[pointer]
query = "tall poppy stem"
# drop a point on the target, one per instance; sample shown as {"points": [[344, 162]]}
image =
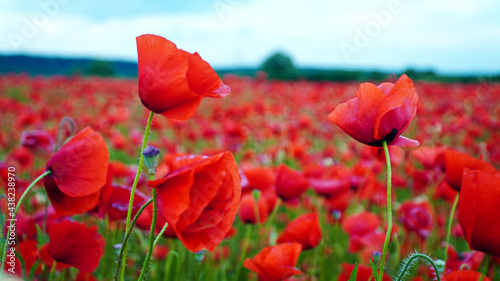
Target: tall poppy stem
{"points": [[132, 193], [151, 238], [448, 228], [13, 219], [389, 211], [127, 235]]}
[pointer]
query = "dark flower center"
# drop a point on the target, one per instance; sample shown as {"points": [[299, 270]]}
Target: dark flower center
{"points": [[388, 138]]}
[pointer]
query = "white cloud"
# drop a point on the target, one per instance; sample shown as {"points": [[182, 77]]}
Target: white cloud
{"points": [[425, 33]]}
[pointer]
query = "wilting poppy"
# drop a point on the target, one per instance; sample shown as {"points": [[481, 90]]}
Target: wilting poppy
{"points": [[456, 162], [379, 113], [200, 200], [173, 82], [74, 244], [464, 275], [275, 263], [364, 273], [478, 207], [78, 172], [305, 230], [290, 183]]}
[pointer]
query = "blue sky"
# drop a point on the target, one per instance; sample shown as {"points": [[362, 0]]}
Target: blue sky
{"points": [[450, 36]]}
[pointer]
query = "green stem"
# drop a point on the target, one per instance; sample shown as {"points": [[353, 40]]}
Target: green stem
{"points": [[127, 236], [448, 228], [13, 219], [132, 193], [52, 270], [168, 261], [486, 267], [389, 210], [409, 263], [151, 238], [248, 233]]}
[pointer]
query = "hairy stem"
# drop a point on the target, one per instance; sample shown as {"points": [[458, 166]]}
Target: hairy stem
{"points": [[409, 263], [132, 193], [127, 236], [389, 210]]}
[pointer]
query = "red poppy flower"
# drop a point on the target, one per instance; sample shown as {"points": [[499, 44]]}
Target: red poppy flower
{"points": [[74, 244], [417, 217], [275, 263], [464, 275], [456, 260], [290, 183], [379, 113], [200, 200], [361, 223], [78, 172], [85, 276], [364, 273], [456, 162], [305, 230], [38, 139], [173, 82], [363, 233], [479, 207], [248, 208], [116, 202]]}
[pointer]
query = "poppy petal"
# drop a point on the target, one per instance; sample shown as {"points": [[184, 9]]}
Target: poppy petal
{"points": [[356, 117], [397, 109], [404, 141], [203, 80], [65, 205], [80, 166]]}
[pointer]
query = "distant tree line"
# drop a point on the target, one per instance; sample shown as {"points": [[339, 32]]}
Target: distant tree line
{"points": [[278, 66]]}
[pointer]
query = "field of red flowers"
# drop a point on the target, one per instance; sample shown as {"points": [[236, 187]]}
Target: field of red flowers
{"points": [[282, 191]]}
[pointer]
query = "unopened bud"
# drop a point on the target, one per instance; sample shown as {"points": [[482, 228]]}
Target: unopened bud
{"points": [[376, 256], [199, 256], [256, 194], [151, 158], [440, 265]]}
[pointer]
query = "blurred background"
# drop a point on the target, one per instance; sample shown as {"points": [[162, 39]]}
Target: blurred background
{"points": [[442, 40]]}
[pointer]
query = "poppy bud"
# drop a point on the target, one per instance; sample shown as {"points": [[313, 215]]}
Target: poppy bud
{"points": [[199, 256], [256, 194], [151, 158], [440, 265], [376, 256]]}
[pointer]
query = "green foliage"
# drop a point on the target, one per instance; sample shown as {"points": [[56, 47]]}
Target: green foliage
{"points": [[101, 68], [280, 66]]}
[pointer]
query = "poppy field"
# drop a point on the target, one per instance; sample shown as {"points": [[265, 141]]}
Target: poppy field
{"points": [[184, 175]]}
